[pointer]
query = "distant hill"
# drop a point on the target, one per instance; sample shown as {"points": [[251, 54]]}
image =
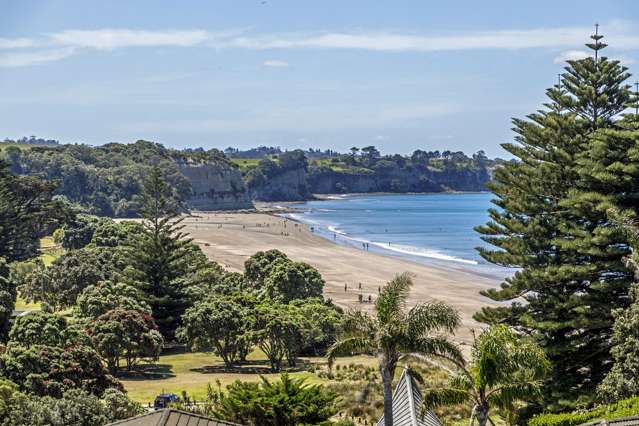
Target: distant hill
{"points": [[108, 179]]}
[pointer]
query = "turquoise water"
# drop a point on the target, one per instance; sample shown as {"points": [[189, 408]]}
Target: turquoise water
{"points": [[430, 228]]}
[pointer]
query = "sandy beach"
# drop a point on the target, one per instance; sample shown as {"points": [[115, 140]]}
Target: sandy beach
{"points": [[230, 238]]}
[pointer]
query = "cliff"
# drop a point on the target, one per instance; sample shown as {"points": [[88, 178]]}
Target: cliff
{"points": [[215, 186], [327, 181]]}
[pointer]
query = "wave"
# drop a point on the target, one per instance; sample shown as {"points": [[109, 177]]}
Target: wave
{"points": [[423, 252], [397, 248]]}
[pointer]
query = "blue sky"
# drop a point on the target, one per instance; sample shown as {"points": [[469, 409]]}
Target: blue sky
{"points": [[401, 75]]}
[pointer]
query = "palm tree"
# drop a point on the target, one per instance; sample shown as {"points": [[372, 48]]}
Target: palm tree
{"points": [[504, 369], [394, 333]]}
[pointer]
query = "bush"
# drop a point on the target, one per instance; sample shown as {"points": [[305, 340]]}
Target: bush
{"points": [[623, 408]]}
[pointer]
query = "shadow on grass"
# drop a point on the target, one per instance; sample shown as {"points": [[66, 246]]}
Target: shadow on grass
{"points": [[251, 367], [149, 372]]}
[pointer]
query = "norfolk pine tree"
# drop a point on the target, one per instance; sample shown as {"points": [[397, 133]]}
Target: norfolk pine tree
{"points": [[161, 254], [551, 226]]}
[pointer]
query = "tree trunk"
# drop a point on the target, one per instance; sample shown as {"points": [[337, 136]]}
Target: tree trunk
{"points": [[387, 379], [481, 413]]}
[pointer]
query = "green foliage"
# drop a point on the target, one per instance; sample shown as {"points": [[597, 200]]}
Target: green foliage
{"points": [[27, 212], [215, 324], [48, 370], [323, 321], [39, 328], [275, 277], [78, 232], [624, 408], [96, 300], [8, 295], [504, 370], [286, 402], [108, 179], [127, 334], [623, 379], [162, 254], [113, 234], [289, 280], [551, 222], [76, 408], [60, 284], [279, 331]]}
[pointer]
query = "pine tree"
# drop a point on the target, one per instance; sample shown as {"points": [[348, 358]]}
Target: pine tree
{"points": [[161, 255], [551, 226]]}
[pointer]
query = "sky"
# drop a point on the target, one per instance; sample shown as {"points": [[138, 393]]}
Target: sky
{"points": [[329, 74]]}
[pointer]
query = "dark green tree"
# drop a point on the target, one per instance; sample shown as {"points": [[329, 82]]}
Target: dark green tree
{"points": [[125, 334], [161, 255], [8, 294], [39, 328], [547, 223], [286, 402], [215, 324], [98, 299]]}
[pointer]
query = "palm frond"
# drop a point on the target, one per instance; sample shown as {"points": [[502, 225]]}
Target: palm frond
{"points": [[392, 298], [432, 316], [358, 323], [442, 397], [504, 396], [348, 346], [435, 346]]}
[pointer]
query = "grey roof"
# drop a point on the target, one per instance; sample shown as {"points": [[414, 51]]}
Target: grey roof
{"points": [[407, 403], [171, 417]]}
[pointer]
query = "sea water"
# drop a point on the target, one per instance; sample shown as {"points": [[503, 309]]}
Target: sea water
{"points": [[429, 228]]}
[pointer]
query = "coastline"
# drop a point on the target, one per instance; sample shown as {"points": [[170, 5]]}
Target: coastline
{"points": [[232, 237]]}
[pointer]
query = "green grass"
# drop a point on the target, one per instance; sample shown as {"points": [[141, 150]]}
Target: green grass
{"points": [[192, 372], [246, 163]]}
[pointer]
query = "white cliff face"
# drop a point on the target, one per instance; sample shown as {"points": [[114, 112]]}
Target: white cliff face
{"points": [[215, 186]]}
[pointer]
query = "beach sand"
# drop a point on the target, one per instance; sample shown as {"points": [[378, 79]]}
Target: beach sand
{"points": [[230, 238]]}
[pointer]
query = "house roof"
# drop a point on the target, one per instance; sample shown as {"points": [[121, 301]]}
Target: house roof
{"points": [[171, 417], [407, 402]]}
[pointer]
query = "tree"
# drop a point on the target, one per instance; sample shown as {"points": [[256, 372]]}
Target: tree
{"points": [[324, 321], [160, 254], [278, 330], [504, 369], [394, 333], [8, 294], [39, 328], [27, 211], [623, 379], [288, 280], [104, 296], [78, 232], [113, 234], [286, 402], [127, 334], [50, 370], [550, 225], [258, 266], [214, 324], [75, 407]]}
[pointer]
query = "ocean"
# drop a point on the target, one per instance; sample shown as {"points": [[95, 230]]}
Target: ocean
{"points": [[428, 228]]}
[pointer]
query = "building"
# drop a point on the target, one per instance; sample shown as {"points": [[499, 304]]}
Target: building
{"points": [[407, 405], [171, 417]]}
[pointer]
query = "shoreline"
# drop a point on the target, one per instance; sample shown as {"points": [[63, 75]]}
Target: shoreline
{"points": [[231, 238]]}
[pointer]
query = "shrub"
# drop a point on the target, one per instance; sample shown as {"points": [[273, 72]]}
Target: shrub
{"points": [[623, 408]]}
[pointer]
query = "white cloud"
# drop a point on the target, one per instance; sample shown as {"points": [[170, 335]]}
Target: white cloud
{"points": [[386, 41], [621, 35], [118, 38], [274, 63], [21, 59], [15, 43], [570, 55]]}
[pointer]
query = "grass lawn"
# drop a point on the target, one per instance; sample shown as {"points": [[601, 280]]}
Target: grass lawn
{"points": [[192, 372]]}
